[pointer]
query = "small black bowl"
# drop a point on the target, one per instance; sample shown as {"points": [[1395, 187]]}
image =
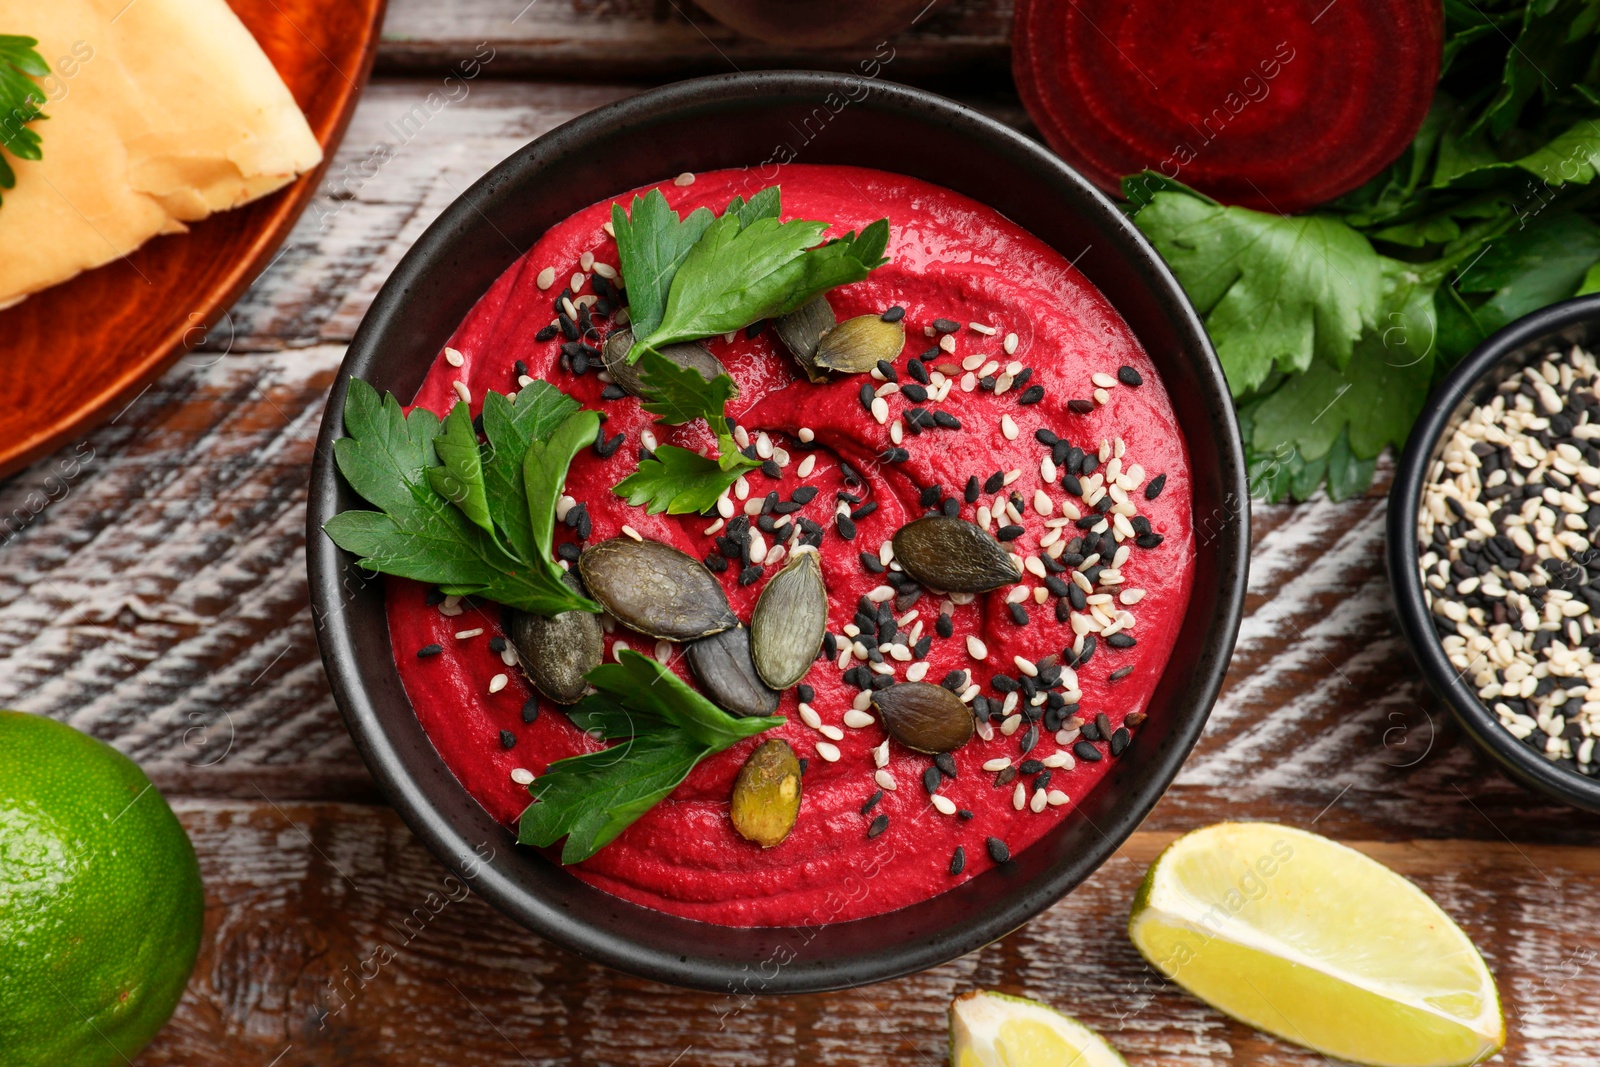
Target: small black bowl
{"points": [[1473, 382], [755, 120]]}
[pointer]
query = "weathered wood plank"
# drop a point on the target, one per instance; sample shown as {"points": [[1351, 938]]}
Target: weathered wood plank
{"points": [[302, 897], [664, 40]]}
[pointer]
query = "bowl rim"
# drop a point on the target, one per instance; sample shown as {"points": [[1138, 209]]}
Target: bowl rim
{"points": [[412, 799], [1405, 499]]}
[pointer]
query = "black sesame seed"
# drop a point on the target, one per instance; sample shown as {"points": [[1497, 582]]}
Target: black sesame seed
{"points": [[930, 495], [971, 491], [894, 455], [986, 383], [1030, 738], [606, 449], [612, 391], [497, 644], [846, 527], [1070, 483], [508, 739], [946, 764], [946, 325], [1046, 437], [530, 710], [886, 369], [914, 392], [958, 860], [943, 626], [716, 563], [750, 574], [429, 650], [1119, 740], [947, 420], [997, 850], [804, 495], [1153, 490], [1019, 614], [1091, 732], [1086, 752], [1121, 640], [993, 483], [1129, 376], [1120, 673], [917, 371], [771, 469], [872, 563], [931, 779], [804, 763], [879, 825], [1031, 395], [951, 507], [547, 334], [865, 393], [1149, 540], [872, 802], [864, 510], [1080, 407], [1008, 533]]}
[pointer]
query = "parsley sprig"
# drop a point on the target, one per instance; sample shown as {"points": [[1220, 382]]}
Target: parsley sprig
{"points": [[474, 519], [665, 727], [703, 275], [1334, 325], [21, 102]]}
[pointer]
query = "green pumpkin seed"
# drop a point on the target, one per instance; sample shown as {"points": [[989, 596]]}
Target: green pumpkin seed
{"points": [[692, 354], [856, 345], [655, 589], [721, 664], [802, 329], [789, 620], [766, 795], [555, 653], [953, 555], [924, 717]]}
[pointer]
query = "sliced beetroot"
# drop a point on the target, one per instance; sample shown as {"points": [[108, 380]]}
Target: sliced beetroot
{"points": [[1278, 106]]}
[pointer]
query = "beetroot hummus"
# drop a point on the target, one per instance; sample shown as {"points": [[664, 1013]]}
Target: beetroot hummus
{"points": [[1051, 405]]}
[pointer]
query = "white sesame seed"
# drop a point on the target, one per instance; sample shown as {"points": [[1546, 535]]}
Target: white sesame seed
{"points": [[1102, 397], [880, 755], [897, 431], [1131, 596], [857, 720], [1058, 759], [807, 465], [663, 651], [452, 357], [880, 410], [832, 733], [618, 648], [1011, 343], [978, 327], [522, 776], [1056, 798], [1008, 427], [880, 593], [884, 779], [647, 438], [462, 391], [828, 751], [467, 635], [943, 804], [1103, 380], [725, 506], [498, 682], [605, 270], [947, 343], [1019, 797], [1037, 802], [508, 656], [631, 532], [976, 648], [917, 671], [1010, 724], [998, 764], [1025, 666], [686, 178], [969, 382], [1042, 502], [546, 278], [1017, 595], [809, 716]]}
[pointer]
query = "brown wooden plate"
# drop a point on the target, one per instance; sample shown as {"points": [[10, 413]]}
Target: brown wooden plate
{"points": [[77, 354]]}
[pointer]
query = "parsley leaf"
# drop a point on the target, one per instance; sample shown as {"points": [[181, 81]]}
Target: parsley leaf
{"points": [[678, 481], [1276, 292], [668, 727], [651, 244], [394, 461], [744, 266], [21, 101]]}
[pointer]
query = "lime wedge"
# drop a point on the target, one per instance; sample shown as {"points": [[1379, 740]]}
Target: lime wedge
{"points": [[1317, 944], [996, 1030]]}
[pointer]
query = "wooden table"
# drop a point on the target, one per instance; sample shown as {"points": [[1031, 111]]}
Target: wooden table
{"points": [[153, 592]]}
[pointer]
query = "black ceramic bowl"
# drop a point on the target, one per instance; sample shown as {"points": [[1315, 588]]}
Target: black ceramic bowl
{"points": [[1474, 381], [737, 121]]}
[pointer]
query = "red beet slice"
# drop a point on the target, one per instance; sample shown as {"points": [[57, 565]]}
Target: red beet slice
{"points": [[1277, 106]]}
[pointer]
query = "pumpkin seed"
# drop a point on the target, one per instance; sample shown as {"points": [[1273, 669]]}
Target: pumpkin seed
{"points": [[856, 345], [556, 652], [953, 555], [722, 665], [692, 354], [924, 717], [801, 329], [655, 589], [766, 794], [788, 622]]}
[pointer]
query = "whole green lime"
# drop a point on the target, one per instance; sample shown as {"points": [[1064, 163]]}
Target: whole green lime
{"points": [[100, 900]]}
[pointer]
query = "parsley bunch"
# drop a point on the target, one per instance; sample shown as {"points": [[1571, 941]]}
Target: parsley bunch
{"points": [[666, 728], [474, 519], [21, 101], [1333, 326]]}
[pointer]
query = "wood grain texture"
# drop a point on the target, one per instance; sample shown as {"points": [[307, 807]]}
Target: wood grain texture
{"points": [[956, 42], [333, 938], [76, 354], [152, 592]]}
